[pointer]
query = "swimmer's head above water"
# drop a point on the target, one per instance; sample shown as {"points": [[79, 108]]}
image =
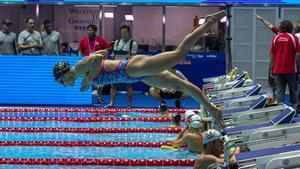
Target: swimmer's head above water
{"points": [[175, 118], [163, 107], [213, 141], [195, 121], [188, 114], [62, 73]]}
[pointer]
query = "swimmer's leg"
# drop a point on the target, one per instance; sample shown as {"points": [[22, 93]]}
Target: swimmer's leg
{"points": [[169, 80], [145, 66]]}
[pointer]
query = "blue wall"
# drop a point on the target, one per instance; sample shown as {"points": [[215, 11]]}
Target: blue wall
{"points": [[29, 79], [202, 65]]}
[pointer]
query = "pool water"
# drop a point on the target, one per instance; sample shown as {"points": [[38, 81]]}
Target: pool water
{"points": [[91, 151], [118, 137], [77, 114], [63, 124]]}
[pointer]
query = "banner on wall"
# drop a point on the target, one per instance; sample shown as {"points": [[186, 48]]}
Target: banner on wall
{"points": [[71, 22], [201, 65]]}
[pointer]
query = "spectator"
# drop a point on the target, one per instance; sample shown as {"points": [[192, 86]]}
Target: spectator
{"points": [[269, 25], [89, 45], [124, 49], [8, 39], [283, 61], [65, 48], [51, 39], [92, 42], [275, 30], [30, 41]]}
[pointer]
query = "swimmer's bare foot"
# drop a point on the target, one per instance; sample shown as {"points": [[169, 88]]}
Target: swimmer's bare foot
{"points": [[215, 16]]}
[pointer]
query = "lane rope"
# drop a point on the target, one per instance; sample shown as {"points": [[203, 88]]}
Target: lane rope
{"points": [[84, 143], [89, 110], [88, 119], [106, 162], [93, 130]]}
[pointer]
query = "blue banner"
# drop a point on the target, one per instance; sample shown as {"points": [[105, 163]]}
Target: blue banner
{"points": [[29, 79], [202, 65]]}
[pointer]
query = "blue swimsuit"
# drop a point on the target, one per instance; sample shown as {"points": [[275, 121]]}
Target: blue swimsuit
{"points": [[119, 75]]}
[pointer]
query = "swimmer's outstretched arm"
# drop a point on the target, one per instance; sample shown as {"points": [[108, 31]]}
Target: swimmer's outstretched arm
{"points": [[87, 68], [182, 141], [181, 134], [265, 22], [103, 52]]}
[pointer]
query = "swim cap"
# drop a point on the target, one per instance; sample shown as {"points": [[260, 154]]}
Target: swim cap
{"points": [[189, 113], [163, 106], [211, 135], [60, 69], [176, 117], [195, 121]]}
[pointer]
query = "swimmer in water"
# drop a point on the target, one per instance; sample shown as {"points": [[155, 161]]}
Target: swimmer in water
{"points": [[213, 152], [150, 70], [163, 109], [175, 120], [188, 114], [193, 139]]}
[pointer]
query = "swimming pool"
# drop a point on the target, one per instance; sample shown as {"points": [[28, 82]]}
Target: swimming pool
{"points": [[93, 152], [124, 137], [62, 124], [55, 137], [77, 114]]}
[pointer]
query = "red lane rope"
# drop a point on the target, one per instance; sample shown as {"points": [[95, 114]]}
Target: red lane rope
{"points": [[107, 162], [88, 119], [93, 130], [83, 143], [90, 110]]}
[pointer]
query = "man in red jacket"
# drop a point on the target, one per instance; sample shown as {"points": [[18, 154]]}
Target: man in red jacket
{"points": [[283, 61]]}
